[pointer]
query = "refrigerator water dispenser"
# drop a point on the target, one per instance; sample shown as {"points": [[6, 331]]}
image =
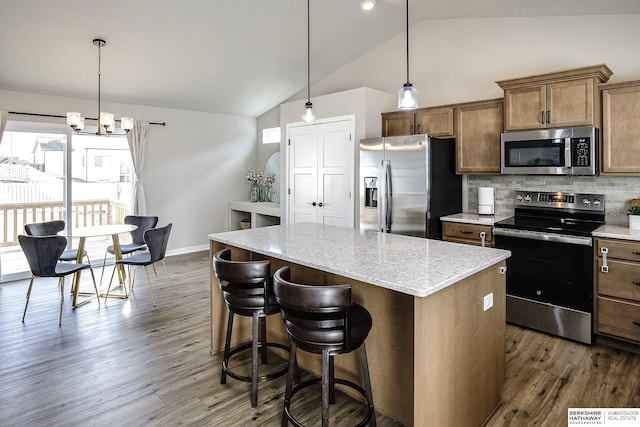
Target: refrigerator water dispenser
{"points": [[370, 192]]}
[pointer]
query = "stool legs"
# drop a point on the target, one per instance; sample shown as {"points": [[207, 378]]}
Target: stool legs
{"points": [[254, 358], [367, 383], [227, 348], [327, 381]]}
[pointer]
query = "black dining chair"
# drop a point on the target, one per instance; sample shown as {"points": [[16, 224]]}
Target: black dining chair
{"points": [[42, 253], [143, 223], [51, 228], [156, 240], [322, 319]]}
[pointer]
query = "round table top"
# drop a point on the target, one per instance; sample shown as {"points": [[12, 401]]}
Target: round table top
{"points": [[98, 230]]}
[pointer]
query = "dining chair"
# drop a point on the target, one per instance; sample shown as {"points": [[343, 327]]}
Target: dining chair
{"points": [[156, 240], [51, 228], [137, 237], [43, 253]]}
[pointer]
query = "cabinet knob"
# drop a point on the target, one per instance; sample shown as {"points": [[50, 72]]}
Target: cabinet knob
{"points": [[313, 204], [320, 204], [542, 117], [548, 116]]}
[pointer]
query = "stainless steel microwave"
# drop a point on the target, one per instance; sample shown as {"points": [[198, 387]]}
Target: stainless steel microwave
{"points": [[568, 151]]}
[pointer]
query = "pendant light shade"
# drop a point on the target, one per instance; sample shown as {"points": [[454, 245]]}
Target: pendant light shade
{"points": [[308, 115], [408, 95]]}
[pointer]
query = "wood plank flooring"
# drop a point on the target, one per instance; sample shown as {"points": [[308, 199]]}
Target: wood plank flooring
{"points": [[129, 363]]}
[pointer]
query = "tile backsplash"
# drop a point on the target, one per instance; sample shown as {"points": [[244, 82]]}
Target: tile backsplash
{"points": [[617, 190]]}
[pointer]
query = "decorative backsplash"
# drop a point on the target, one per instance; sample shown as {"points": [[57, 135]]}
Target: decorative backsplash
{"points": [[618, 191]]}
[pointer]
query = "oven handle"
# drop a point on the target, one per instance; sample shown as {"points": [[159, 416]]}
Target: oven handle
{"points": [[550, 237]]}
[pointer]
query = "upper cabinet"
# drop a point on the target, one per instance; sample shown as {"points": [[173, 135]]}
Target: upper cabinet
{"points": [[566, 98], [436, 121], [478, 129], [621, 128]]}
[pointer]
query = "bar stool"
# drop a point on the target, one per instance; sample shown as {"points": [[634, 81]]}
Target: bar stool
{"points": [[323, 320], [247, 291]]}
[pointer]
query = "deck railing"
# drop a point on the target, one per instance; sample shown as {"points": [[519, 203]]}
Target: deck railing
{"points": [[13, 216]]}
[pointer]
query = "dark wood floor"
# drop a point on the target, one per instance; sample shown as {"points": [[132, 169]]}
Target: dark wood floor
{"points": [[129, 363]]}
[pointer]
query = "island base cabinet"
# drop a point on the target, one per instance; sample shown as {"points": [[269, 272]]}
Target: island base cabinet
{"points": [[438, 360], [460, 351]]}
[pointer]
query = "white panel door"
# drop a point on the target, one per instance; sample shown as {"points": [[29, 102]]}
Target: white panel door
{"points": [[335, 170], [321, 169], [303, 174]]}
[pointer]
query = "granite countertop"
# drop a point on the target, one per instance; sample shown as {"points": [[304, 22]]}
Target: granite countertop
{"points": [[472, 218], [617, 232], [411, 265]]}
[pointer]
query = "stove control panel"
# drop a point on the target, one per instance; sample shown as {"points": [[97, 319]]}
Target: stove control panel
{"points": [[559, 200]]}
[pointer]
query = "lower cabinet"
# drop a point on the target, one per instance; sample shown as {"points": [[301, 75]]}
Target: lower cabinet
{"points": [[617, 289], [471, 234]]}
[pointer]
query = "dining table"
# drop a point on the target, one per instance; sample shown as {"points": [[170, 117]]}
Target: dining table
{"points": [[81, 233]]}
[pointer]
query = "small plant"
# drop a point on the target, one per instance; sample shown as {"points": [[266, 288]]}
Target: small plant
{"points": [[634, 207]]}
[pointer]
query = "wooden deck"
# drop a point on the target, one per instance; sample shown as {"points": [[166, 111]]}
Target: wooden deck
{"points": [[129, 363]]}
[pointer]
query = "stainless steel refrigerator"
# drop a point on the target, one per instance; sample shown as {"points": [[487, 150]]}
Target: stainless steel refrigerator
{"points": [[407, 183]]}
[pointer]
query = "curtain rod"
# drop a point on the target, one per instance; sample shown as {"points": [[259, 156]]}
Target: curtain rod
{"points": [[56, 116]]}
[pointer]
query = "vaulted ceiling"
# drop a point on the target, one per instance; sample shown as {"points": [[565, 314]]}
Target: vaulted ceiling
{"points": [[224, 56]]}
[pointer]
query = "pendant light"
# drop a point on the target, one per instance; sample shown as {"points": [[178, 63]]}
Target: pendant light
{"points": [[408, 95], [106, 123], [309, 115]]}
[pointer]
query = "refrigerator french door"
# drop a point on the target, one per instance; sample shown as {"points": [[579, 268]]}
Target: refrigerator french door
{"points": [[407, 184]]}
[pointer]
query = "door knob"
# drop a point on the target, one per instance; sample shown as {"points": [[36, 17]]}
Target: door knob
{"points": [[313, 204], [320, 204]]}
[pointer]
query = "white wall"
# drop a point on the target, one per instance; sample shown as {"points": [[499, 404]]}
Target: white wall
{"points": [[460, 60], [193, 166]]}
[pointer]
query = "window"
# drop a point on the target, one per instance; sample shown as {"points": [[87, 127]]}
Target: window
{"points": [[271, 135], [48, 172]]}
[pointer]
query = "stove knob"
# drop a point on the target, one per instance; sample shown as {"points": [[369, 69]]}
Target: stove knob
{"points": [[596, 202], [586, 202], [527, 198], [519, 197], [538, 293]]}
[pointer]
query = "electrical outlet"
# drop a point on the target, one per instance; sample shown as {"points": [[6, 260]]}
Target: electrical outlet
{"points": [[488, 301]]}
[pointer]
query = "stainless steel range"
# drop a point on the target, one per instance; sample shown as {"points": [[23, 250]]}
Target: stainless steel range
{"points": [[550, 272]]}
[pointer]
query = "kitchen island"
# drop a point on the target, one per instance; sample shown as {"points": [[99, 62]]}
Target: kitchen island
{"points": [[436, 353]]}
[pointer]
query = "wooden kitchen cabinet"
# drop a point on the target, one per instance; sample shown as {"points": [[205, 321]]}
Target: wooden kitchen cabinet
{"points": [[561, 99], [470, 234], [621, 128], [436, 122], [617, 290], [478, 128]]}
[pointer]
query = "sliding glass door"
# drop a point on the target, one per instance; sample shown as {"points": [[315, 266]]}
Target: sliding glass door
{"points": [[47, 173]]}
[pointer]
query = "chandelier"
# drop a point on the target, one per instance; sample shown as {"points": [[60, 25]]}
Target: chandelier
{"points": [[106, 122]]}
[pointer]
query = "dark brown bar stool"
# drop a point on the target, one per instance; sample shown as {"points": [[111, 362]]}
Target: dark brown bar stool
{"points": [[323, 320], [247, 290]]}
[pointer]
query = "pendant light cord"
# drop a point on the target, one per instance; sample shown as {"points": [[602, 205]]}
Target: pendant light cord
{"points": [[308, 52], [99, 75], [407, 9]]}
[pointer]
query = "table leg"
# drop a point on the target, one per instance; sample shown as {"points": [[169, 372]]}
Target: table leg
{"points": [[75, 285], [117, 252]]}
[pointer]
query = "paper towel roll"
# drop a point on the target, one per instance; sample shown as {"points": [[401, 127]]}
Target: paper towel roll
{"points": [[485, 200]]}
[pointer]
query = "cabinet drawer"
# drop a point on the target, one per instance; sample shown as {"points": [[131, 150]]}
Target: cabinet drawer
{"points": [[468, 241], [458, 230], [622, 280], [620, 249], [619, 318]]}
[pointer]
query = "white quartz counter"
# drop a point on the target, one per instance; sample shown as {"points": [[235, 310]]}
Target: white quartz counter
{"points": [[411, 265], [617, 232], [471, 218]]}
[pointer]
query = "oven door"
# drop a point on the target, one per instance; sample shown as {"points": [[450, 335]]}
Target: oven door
{"points": [[549, 282]]}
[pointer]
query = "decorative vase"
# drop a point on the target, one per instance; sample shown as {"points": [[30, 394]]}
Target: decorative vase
{"points": [[254, 193], [273, 195], [634, 222], [263, 193]]}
